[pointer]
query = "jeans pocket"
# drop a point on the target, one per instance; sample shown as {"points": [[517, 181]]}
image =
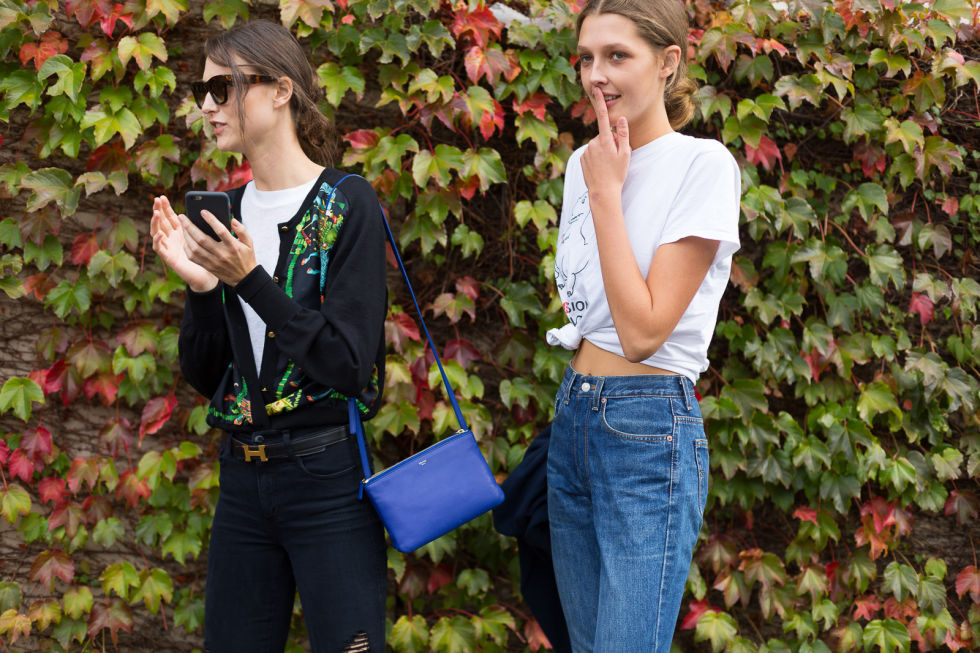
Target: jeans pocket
{"points": [[334, 461], [638, 417], [701, 458]]}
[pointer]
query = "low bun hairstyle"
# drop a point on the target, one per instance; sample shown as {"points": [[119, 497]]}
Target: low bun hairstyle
{"points": [[661, 23], [272, 50]]}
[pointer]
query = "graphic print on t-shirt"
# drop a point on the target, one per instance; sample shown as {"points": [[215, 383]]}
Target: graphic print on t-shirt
{"points": [[575, 257]]}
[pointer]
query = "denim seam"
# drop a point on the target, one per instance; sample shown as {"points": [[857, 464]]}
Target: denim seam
{"points": [[663, 570]]}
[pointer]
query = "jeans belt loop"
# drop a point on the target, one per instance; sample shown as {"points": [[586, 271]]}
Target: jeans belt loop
{"points": [[597, 392], [569, 384], [288, 443], [688, 391]]}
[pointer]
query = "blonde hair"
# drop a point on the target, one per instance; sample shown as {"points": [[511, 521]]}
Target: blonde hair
{"points": [[661, 23]]}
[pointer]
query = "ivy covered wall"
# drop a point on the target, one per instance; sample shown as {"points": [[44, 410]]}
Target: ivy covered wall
{"points": [[843, 401]]}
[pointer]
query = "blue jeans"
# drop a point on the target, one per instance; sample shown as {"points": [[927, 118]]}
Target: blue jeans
{"points": [[627, 483], [291, 524]]}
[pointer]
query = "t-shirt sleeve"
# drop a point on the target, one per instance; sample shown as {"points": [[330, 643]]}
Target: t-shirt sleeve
{"points": [[707, 203]]}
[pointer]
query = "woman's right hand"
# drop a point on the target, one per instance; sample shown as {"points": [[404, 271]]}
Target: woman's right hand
{"points": [[168, 242]]}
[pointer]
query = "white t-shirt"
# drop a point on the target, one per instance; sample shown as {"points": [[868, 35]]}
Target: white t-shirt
{"points": [[262, 213], [676, 186]]}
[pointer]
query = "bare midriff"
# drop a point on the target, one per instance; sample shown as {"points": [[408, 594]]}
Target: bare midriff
{"points": [[592, 361]]}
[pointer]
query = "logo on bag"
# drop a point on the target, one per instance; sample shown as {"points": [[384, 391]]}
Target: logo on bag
{"points": [[422, 462]]}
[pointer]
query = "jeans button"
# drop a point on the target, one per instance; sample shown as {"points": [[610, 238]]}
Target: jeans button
{"points": [[586, 387]]}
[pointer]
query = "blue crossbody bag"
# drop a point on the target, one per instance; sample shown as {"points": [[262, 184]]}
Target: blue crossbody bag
{"points": [[439, 488]]}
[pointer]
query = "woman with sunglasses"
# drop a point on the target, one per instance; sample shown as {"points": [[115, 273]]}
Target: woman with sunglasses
{"points": [[284, 320]]}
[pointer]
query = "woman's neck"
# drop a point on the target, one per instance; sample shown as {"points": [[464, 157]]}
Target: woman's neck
{"points": [[279, 162]]}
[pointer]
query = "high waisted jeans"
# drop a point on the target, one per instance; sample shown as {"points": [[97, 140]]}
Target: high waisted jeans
{"points": [[627, 483], [287, 524]]}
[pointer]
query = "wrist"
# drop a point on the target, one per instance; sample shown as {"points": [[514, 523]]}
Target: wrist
{"points": [[201, 288]]}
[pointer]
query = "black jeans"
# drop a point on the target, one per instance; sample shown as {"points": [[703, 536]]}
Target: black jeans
{"points": [[291, 524]]}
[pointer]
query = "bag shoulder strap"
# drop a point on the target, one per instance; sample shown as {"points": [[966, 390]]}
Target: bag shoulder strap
{"points": [[460, 420]]}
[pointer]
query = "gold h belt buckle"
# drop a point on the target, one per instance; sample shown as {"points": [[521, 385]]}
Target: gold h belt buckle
{"points": [[257, 452]]}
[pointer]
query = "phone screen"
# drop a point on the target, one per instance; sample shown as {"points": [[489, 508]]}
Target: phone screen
{"points": [[216, 202]]}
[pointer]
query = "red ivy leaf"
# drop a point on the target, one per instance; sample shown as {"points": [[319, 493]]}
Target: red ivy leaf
{"points": [[109, 20], [83, 249], [36, 443], [951, 205], [54, 376], [90, 357], [132, 489], [767, 154], [400, 328], [39, 284], [52, 488], [491, 120], [96, 508], [83, 470], [964, 504], [922, 305], [113, 614], [492, 63], [86, 11], [866, 606], [806, 514], [104, 384], [21, 466], [439, 576], [116, 435], [462, 351], [109, 157], [68, 514], [475, 27], [968, 580], [536, 639], [51, 43], [468, 286], [156, 412], [697, 608], [236, 176], [4, 452], [536, 104], [362, 139], [50, 565]]}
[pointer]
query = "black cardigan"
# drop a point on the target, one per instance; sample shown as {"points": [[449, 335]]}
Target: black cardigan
{"points": [[325, 341]]}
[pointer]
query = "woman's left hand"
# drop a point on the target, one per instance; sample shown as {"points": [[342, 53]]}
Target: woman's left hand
{"points": [[606, 160], [230, 259]]}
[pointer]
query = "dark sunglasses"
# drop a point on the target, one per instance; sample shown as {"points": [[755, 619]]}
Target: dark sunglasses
{"points": [[218, 85]]}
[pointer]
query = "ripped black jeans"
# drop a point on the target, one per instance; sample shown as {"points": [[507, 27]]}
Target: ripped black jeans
{"points": [[282, 526]]}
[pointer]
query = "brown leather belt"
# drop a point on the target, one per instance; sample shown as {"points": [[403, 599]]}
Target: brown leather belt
{"points": [[302, 442]]}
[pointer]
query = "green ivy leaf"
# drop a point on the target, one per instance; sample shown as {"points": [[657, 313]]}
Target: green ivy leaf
{"points": [[71, 76], [108, 531], [410, 635], [14, 500], [17, 395], [154, 586], [452, 635], [337, 81], [119, 578], [717, 627], [889, 635]]}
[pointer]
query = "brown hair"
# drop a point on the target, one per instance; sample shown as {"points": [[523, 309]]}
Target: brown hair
{"points": [[272, 50], [661, 23]]}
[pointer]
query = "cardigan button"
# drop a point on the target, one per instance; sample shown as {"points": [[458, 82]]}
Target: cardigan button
{"points": [[276, 279], [284, 228], [265, 389], [271, 334]]}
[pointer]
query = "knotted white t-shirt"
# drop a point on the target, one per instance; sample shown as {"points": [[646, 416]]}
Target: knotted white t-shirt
{"points": [[676, 186]]}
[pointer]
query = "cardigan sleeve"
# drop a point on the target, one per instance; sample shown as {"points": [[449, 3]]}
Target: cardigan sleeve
{"points": [[204, 349], [336, 345]]}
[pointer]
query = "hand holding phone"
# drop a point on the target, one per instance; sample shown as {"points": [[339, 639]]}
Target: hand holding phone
{"points": [[216, 202]]}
